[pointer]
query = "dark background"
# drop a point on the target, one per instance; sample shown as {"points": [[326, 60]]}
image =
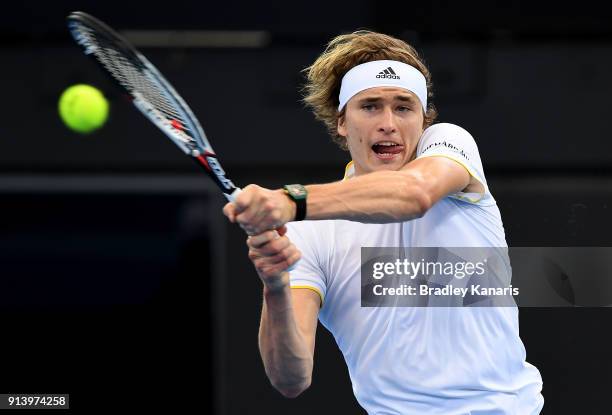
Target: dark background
{"points": [[121, 283]]}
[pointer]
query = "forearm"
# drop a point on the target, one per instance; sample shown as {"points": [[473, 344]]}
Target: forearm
{"points": [[287, 357], [379, 197]]}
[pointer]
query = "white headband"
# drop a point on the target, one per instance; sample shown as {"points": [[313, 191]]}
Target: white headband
{"points": [[383, 73]]}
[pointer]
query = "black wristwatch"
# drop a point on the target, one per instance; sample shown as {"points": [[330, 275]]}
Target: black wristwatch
{"points": [[298, 194]]}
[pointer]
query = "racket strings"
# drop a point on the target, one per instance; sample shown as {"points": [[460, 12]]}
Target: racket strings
{"points": [[135, 80]]}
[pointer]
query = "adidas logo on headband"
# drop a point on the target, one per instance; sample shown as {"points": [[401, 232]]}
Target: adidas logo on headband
{"points": [[388, 73]]}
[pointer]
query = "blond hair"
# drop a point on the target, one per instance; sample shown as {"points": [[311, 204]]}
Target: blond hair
{"points": [[324, 76]]}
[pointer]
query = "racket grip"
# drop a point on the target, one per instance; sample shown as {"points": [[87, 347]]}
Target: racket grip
{"points": [[232, 196]]}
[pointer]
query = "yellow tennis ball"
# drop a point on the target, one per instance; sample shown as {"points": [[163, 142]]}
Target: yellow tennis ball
{"points": [[83, 108]]}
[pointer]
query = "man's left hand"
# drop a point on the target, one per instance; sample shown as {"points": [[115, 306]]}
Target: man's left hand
{"points": [[257, 209]]}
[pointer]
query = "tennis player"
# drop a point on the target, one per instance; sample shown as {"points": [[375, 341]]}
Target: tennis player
{"points": [[410, 183]]}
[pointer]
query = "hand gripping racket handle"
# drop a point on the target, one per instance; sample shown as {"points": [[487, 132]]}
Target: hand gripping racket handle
{"points": [[232, 196]]}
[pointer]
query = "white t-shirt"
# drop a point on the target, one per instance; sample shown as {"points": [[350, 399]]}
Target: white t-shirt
{"points": [[417, 360]]}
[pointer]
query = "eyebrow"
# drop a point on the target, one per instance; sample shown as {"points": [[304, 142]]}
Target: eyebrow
{"points": [[403, 98]]}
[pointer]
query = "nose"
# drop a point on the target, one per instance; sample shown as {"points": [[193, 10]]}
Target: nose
{"points": [[387, 121]]}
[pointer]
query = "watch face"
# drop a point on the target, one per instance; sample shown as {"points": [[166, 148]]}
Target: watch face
{"points": [[297, 191]]}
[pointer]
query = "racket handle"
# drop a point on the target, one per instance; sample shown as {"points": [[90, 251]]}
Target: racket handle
{"points": [[232, 196]]}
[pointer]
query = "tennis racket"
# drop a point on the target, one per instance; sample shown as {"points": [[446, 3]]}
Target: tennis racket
{"points": [[150, 92]]}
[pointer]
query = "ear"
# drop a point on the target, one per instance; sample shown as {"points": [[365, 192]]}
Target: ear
{"points": [[425, 126], [342, 125]]}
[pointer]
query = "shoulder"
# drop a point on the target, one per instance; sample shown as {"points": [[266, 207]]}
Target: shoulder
{"points": [[447, 138], [445, 127], [445, 131]]}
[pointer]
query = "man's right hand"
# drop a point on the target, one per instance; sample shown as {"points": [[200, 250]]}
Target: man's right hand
{"points": [[272, 253]]}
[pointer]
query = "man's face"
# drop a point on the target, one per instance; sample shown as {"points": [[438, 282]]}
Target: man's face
{"points": [[382, 127]]}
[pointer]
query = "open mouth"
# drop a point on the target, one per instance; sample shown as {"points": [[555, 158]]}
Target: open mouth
{"points": [[387, 149]]}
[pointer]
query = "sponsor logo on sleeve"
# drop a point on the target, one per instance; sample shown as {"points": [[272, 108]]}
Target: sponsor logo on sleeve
{"points": [[448, 145]]}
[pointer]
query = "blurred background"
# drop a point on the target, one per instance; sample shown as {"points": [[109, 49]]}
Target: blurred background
{"points": [[122, 284]]}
